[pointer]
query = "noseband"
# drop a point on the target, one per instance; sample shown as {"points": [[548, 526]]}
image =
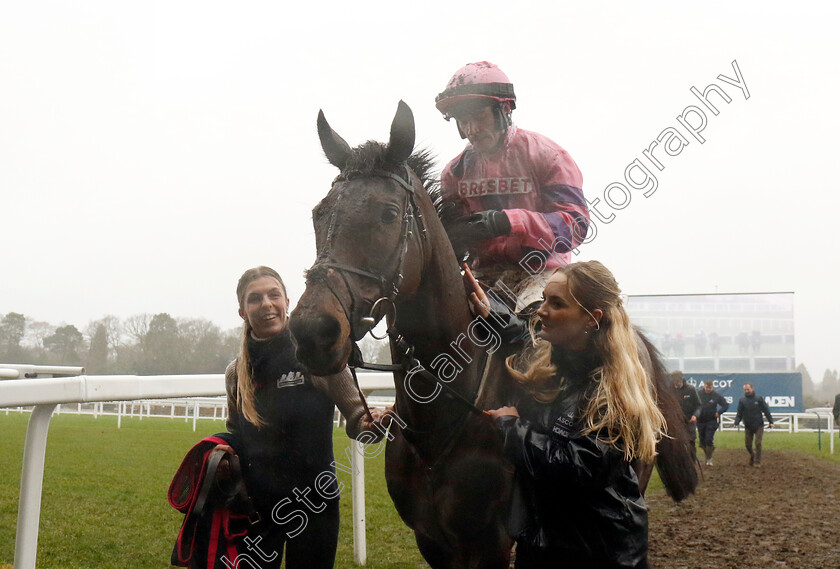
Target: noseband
{"points": [[360, 324]]}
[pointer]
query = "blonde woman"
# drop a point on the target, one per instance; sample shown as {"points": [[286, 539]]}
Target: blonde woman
{"points": [[283, 419], [587, 413]]}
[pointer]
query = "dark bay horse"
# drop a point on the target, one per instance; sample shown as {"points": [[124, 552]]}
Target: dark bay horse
{"points": [[382, 252]]}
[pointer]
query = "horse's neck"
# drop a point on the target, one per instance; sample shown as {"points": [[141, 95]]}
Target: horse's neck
{"points": [[437, 314], [435, 322]]}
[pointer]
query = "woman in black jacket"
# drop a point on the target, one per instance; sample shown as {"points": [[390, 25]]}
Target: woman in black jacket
{"points": [[588, 413], [284, 420]]}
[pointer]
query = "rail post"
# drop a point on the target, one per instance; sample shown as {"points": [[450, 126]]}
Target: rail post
{"points": [[819, 430], [358, 467], [31, 484]]}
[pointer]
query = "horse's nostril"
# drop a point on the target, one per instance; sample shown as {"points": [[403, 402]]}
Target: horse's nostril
{"points": [[320, 332], [328, 329], [316, 338]]}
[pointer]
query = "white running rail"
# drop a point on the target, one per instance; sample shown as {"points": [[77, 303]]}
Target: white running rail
{"points": [[44, 394]]}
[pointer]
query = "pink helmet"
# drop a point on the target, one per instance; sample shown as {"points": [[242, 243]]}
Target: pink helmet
{"points": [[482, 80]]}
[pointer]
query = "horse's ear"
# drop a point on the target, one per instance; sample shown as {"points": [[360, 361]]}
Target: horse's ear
{"points": [[336, 148], [401, 144]]}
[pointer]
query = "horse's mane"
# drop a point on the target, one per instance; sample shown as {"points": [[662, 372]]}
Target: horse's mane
{"points": [[373, 155]]}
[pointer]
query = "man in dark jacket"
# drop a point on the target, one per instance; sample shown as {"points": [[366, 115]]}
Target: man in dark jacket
{"points": [[836, 409], [689, 402], [750, 408], [712, 406]]}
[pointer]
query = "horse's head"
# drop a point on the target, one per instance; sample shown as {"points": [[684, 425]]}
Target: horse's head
{"points": [[371, 239]]}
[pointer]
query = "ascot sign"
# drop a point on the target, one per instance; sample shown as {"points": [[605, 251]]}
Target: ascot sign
{"points": [[781, 391]]}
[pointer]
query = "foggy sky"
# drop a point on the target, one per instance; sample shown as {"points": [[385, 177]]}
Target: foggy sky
{"points": [[153, 151]]}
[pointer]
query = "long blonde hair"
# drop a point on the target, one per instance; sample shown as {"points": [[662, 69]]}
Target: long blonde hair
{"points": [[244, 371], [622, 409]]}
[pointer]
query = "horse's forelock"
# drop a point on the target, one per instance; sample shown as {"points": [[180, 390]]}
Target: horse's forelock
{"points": [[364, 160], [316, 274], [371, 156]]}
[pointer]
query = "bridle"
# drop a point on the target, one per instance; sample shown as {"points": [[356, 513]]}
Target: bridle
{"points": [[360, 325], [360, 312]]}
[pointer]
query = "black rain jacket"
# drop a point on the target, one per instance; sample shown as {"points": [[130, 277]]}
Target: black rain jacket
{"points": [[711, 403], [750, 409], [689, 401], [575, 493]]}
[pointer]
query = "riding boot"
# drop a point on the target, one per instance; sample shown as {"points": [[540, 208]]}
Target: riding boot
{"points": [[757, 456]]}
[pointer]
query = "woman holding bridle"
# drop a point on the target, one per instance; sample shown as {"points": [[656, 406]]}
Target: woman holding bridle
{"points": [[284, 420], [588, 411]]}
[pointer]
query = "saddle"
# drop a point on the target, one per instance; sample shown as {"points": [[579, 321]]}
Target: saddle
{"points": [[218, 512]]}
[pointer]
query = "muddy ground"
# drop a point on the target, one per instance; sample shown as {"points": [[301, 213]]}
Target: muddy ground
{"points": [[785, 514]]}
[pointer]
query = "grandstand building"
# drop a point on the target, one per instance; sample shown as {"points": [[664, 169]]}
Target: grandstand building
{"points": [[749, 332], [731, 339]]}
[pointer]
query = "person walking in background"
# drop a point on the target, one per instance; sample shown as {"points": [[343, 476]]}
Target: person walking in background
{"points": [[750, 408], [712, 406], [836, 409], [690, 403]]}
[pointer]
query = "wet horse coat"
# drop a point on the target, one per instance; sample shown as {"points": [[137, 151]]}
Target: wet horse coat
{"points": [[383, 251]]}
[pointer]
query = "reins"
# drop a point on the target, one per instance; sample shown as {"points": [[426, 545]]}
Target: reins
{"points": [[411, 365]]}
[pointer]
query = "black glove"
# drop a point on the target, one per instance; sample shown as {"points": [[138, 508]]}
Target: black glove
{"points": [[466, 231]]}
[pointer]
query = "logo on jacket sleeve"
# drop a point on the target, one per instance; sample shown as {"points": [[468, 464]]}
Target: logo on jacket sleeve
{"points": [[290, 379]]}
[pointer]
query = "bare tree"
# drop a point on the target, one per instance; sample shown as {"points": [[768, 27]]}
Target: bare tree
{"points": [[36, 331], [204, 346], [137, 326], [375, 351]]}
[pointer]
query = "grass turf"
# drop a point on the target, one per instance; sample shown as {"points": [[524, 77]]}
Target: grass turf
{"points": [[104, 501]]}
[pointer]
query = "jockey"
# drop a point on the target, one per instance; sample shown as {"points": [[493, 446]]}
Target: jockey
{"points": [[513, 198]]}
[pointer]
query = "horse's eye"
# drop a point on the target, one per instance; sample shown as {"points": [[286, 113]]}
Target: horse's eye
{"points": [[389, 215]]}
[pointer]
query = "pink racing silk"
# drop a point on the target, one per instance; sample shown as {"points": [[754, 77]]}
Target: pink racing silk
{"points": [[538, 186]]}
